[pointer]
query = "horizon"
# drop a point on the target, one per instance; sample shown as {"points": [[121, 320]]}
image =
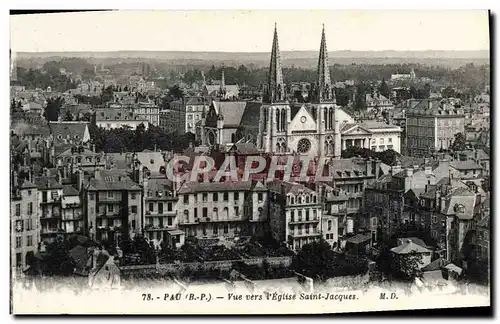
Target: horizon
{"points": [[236, 31]]}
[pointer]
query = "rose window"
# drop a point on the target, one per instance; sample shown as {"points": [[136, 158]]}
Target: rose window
{"points": [[304, 145]]}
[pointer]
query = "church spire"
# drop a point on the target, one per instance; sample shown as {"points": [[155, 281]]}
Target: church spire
{"points": [[324, 82], [275, 85]]}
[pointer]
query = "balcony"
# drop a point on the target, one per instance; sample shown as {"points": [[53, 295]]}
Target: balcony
{"points": [[105, 200], [151, 228], [51, 230], [52, 215], [304, 221], [304, 234]]}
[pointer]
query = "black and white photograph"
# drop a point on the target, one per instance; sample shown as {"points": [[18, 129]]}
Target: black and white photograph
{"points": [[221, 162]]}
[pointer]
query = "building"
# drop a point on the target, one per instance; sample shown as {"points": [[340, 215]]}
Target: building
{"points": [[295, 214], [50, 191], [69, 132], [182, 115], [311, 129], [218, 209], [409, 76], [377, 136], [376, 102], [432, 125], [409, 247], [220, 124], [466, 170], [334, 220], [110, 118], [112, 203], [72, 220], [25, 218], [160, 216]]}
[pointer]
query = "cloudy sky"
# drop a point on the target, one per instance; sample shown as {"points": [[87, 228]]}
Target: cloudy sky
{"points": [[250, 31]]}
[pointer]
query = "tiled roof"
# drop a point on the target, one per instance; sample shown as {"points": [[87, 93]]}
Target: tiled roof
{"points": [[69, 190], [194, 187], [359, 238], [232, 111], [409, 247], [465, 165], [373, 124], [107, 180], [245, 148], [104, 114], [47, 183], [68, 129]]}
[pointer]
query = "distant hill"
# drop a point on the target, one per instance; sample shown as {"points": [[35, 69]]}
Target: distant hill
{"points": [[304, 59]]}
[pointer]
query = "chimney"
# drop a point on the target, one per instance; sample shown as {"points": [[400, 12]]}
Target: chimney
{"points": [[369, 166], [395, 169], [377, 168]]}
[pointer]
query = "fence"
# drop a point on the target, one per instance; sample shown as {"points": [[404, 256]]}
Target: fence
{"points": [[285, 261]]}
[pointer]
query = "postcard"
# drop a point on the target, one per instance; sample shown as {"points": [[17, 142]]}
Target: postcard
{"points": [[249, 161]]}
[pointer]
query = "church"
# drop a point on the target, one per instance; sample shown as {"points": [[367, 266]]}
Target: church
{"points": [[275, 125]]}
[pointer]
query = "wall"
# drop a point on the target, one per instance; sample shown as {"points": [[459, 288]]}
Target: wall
{"points": [[219, 265]]}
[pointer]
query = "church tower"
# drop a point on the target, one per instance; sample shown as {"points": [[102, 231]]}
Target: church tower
{"points": [[275, 85], [275, 112], [323, 99]]}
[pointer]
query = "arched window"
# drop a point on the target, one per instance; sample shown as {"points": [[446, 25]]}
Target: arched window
{"points": [[283, 120], [293, 200], [278, 120], [330, 119], [314, 198], [326, 119], [307, 199], [225, 213]]}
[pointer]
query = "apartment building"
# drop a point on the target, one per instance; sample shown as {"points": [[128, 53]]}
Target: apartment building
{"points": [[50, 192], [112, 204], [25, 230], [222, 209], [432, 125], [295, 213], [72, 220], [160, 216]]}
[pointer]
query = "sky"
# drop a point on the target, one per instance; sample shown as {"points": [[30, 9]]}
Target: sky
{"points": [[250, 31]]}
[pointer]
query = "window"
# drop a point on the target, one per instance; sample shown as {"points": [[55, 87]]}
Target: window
{"points": [[169, 221], [160, 208], [236, 196], [205, 212], [18, 210], [91, 196], [134, 209], [169, 206], [110, 194], [307, 214], [389, 140], [216, 229], [29, 240], [329, 225], [133, 195], [215, 197], [434, 219], [196, 213], [381, 141], [315, 214], [29, 192], [205, 197], [29, 224], [226, 196], [226, 228], [186, 199], [259, 196], [151, 207], [236, 211], [186, 215], [300, 215], [307, 199], [292, 215], [19, 242], [133, 221], [374, 221]]}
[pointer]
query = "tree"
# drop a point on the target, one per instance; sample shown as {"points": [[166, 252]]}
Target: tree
{"points": [[176, 92], [459, 143], [384, 89], [52, 109], [448, 92], [407, 266], [58, 262], [315, 260]]}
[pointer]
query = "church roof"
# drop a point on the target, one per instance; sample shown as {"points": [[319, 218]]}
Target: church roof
{"points": [[232, 111]]}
